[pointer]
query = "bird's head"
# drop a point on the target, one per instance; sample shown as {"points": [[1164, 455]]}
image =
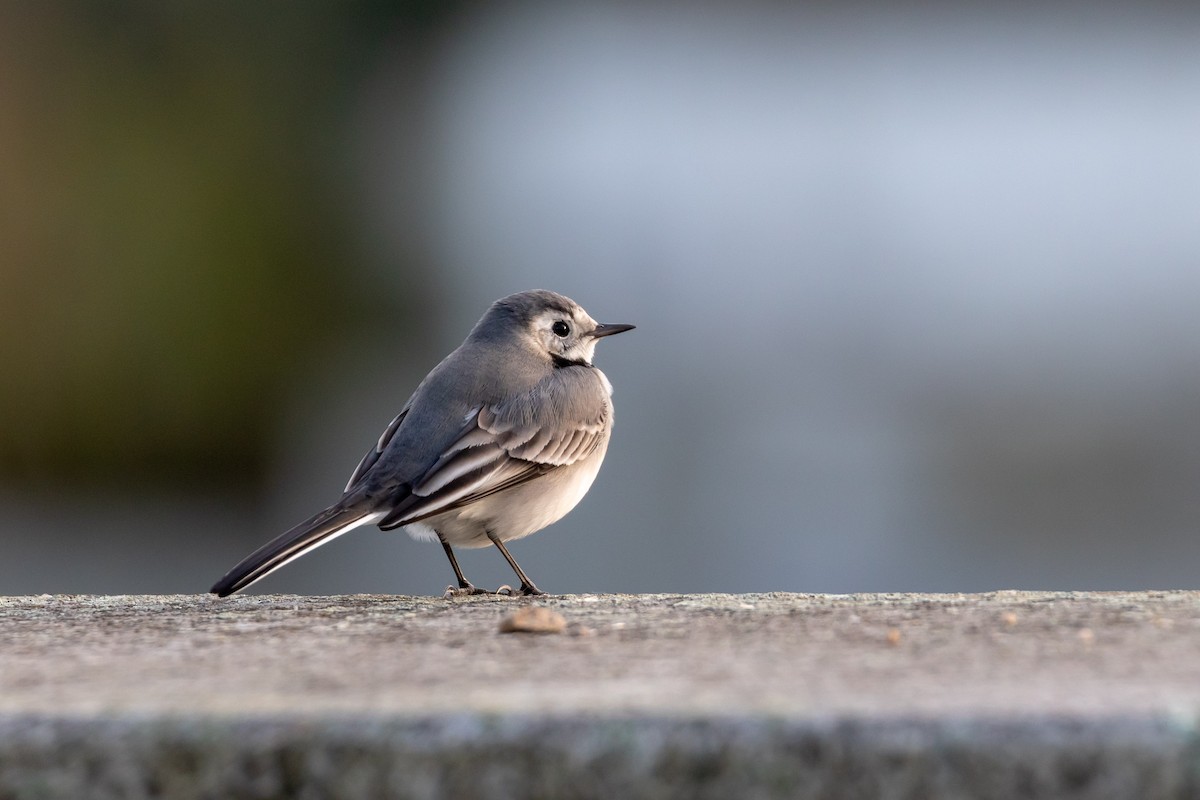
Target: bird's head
{"points": [[554, 325]]}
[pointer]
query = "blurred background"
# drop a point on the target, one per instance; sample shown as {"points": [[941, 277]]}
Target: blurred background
{"points": [[916, 288]]}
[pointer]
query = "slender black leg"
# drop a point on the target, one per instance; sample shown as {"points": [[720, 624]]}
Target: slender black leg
{"points": [[527, 586], [464, 585]]}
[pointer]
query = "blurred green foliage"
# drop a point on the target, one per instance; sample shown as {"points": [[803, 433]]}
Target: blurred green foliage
{"points": [[171, 245]]}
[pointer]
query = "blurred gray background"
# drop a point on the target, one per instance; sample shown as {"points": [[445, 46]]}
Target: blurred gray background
{"points": [[916, 288]]}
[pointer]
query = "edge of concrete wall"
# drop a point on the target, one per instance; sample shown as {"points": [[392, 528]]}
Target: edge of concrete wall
{"points": [[510, 756]]}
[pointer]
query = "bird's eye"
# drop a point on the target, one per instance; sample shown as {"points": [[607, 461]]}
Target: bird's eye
{"points": [[561, 329]]}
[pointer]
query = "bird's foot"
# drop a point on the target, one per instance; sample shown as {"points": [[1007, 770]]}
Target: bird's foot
{"points": [[468, 590], [526, 590]]}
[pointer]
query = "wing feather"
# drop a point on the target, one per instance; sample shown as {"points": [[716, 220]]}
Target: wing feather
{"points": [[502, 445], [456, 464], [372, 455]]}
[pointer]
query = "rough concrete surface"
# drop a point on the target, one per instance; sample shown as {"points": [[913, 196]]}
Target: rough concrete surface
{"points": [[1008, 694]]}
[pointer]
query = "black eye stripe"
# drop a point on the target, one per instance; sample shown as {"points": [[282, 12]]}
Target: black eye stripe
{"points": [[560, 329]]}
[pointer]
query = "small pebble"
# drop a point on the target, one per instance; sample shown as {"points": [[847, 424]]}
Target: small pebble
{"points": [[533, 619], [1009, 619], [893, 636]]}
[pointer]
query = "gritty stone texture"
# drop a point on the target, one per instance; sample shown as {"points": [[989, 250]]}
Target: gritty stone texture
{"points": [[1008, 694]]}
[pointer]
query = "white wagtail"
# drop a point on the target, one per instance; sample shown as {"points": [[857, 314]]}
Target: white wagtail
{"points": [[500, 440]]}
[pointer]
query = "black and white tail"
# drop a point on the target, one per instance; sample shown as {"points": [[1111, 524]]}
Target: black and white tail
{"points": [[290, 545]]}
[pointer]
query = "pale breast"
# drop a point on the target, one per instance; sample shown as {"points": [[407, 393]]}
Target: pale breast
{"points": [[518, 512]]}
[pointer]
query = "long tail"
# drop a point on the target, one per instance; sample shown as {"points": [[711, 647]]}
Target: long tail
{"points": [[312, 533]]}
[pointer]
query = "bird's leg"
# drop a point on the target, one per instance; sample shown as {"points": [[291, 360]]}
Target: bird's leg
{"points": [[527, 587], [464, 585]]}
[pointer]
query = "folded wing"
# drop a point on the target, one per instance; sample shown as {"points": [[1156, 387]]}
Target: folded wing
{"points": [[373, 455], [561, 421]]}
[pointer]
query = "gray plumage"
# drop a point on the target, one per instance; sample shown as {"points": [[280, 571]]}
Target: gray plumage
{"points": [[501, 439]]}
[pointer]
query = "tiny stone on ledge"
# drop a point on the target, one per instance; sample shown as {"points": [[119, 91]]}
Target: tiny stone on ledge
{"points": [[533, 619]]}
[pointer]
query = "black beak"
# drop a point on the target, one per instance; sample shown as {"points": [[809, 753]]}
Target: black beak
{"points": [[609, 330]]}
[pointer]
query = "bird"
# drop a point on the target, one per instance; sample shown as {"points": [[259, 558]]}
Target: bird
{"points": [[501, 439]]}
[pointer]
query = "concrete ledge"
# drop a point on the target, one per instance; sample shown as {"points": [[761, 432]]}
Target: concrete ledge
{"points": [[513, 756], [1012, 694]]}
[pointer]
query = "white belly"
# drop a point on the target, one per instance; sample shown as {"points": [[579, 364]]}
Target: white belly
{"points": [[516, 512]]}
